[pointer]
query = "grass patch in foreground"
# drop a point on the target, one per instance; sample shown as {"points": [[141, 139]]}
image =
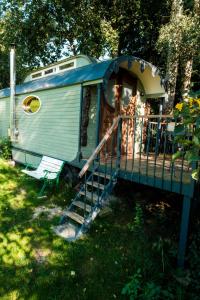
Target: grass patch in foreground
{"points": [[127, 246]]}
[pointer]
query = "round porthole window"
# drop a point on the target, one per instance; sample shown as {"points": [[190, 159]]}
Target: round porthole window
{"points": [[31, 105]]}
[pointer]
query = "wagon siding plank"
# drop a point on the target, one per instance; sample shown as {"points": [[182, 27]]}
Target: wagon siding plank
{"points": [[54, 129], [4, 117]]}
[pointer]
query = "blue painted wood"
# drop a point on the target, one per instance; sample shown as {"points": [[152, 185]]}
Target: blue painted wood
{"points": [[98, 123], [133, 143], [148, 146], [184, 230], [156, 148], [80, 123], [119, 138], [156, 182], [141, 141]]}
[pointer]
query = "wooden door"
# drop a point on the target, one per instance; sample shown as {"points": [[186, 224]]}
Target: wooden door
{"points": [[122, 101]]}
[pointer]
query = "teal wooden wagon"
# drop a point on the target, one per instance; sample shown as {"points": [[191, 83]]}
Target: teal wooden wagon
{"points": [[97, 116]]}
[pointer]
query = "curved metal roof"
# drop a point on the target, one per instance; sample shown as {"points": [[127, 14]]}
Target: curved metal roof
{"points": [[91, 72]]}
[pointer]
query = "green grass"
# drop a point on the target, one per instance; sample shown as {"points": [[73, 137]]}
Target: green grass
{"points": [[96, 267]]}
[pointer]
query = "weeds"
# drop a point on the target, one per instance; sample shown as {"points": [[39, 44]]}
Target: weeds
{"points": [[5, 148], [122, 256]]}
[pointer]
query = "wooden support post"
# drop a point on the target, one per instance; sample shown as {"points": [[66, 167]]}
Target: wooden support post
{"points": [[98, 118], [184, 230], [80, 124]]}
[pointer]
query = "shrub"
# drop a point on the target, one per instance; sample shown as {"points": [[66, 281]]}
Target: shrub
{"points": [[187, 133], [5, 148]]}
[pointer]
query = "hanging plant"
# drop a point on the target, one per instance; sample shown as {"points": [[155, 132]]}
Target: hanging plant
{"points": [[187, 133]]}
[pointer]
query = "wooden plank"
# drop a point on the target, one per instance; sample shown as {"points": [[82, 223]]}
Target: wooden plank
{"points": [[101, 174], [96, 184], [90, 196], [52, 161], [82, 205], [99, 147], [147, 116], [54, 130], [74, 216]]}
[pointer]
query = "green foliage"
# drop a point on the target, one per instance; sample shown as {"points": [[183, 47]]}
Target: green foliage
{"points": [[140, 289], [45, 30], [50, 268], [5, 148], [137, 226], [187, 134], [180, 35], [194, 263], [134, 286], [178, 44]]}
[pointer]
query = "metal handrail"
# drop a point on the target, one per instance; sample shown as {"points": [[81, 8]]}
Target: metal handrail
{"points": [[100, 146]]}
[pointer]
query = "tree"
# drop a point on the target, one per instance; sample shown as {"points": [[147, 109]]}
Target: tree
{"points": [[179, 39]]}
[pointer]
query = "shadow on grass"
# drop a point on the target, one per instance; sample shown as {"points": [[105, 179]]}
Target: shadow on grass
{"points": [[36, 264]]}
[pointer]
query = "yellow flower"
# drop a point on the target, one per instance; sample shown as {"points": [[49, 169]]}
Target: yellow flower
{"points": [[190, 102], [198, 101], [179, 106]]}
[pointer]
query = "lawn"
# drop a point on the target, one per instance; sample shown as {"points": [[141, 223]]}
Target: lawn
{"points": [[136, 243]]}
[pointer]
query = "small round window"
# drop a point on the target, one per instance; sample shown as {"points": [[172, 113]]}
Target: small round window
{"points": [[31, 104]]}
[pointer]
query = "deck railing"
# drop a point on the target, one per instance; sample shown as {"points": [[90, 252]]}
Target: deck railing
{"points": [[141, 148]]}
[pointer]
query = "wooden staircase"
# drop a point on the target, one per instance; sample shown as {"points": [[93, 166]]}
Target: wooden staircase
{"points": [[87, 204], [92, 196]]}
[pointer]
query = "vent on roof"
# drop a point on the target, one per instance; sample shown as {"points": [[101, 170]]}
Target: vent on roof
{"points": [[66, 66], [37, 75]]}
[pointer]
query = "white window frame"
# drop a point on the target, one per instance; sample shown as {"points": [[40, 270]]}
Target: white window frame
{"points": [[33, 113]]}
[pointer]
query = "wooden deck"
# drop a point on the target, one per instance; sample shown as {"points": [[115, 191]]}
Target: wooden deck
{"points": [[155, 171], [141, 149], [151, 166], [158, 167]]}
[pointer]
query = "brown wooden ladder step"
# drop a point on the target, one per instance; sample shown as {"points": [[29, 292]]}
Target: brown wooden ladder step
{"points": [[82, 205], [108, 176], [74, 216], [96, 184], [90, 196]]}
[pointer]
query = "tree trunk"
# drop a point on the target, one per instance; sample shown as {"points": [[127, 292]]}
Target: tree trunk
{"points": [[173, 57], [189, 60], [187, 77], [172, 72]]}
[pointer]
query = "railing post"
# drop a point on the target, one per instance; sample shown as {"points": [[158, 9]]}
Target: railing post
{"points": [[119, 139], [80, 124], [184, 230]]}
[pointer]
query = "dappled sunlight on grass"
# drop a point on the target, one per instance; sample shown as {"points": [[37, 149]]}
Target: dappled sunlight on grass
{"points": [[37, 264], [15, 249]]}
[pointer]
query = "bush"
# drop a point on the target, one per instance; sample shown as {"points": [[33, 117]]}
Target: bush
{"points": [[5, 148], [188, 133], [194, 264]]}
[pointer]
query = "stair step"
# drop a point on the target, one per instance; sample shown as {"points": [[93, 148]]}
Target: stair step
{"points": [[108, 176], [82, 205], [96, 184], [89, 195], [74, 216]]}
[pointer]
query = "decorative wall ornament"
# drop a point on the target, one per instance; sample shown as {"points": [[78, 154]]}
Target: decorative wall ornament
{"points": [[85, 115], [142, 66]]}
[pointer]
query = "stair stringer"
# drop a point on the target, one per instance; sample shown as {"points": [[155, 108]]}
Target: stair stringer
{"points": [[95, 209]]}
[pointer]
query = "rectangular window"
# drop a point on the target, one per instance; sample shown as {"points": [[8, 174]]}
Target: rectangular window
{"points": [[37, 75], [48, 71], [66, 66]]}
